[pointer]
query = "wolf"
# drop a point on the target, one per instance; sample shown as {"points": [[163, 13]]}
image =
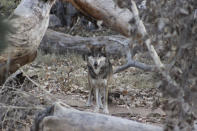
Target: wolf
{"points": [[99, 76]]}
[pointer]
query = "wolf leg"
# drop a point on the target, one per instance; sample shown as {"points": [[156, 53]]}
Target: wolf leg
{"points": [[89, 102], [100, 101], [97, 100], [105, 109]]}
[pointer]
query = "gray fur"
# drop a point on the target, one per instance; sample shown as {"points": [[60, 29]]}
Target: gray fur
{"points": [[99, 76]]}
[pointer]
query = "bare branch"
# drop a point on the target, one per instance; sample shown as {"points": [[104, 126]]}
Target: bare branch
{"points": [[136, 64], [142, 30], [129, 56], [153, 54], [159, 64], [124, 42], [20, 107]]}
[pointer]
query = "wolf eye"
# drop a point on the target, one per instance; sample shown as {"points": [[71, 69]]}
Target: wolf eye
{"points": [[99, 55]]}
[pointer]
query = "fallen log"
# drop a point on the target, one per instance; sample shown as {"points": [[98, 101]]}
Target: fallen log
{"points": [[61, 117], [57, 42], [30, 21]]}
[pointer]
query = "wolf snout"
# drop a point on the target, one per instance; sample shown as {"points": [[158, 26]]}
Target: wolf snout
{"points": [[95, 64]]}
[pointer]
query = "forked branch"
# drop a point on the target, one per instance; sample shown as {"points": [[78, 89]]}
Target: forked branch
{"points": [[129, 57], [136, 64]]}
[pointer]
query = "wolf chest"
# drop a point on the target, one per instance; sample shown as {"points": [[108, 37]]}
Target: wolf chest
{"points": [[99, 82]]}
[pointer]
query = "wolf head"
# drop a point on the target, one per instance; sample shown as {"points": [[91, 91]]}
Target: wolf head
{"points": [[96, 57]]}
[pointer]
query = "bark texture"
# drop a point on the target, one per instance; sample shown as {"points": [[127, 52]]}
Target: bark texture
{"points": [[30, 21], [56, 42]]}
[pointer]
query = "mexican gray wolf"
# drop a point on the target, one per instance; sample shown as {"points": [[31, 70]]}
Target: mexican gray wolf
{"points": [[99, 76]]}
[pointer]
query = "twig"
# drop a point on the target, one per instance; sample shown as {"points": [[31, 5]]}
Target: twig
{"points": [[21, 107], [75, 25], [42, 88], [123, 43], [4, 118], [8, 79], [38, 85]]}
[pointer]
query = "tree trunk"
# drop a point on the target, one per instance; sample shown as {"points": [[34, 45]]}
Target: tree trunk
{"points": [[60, 117], [30, 21]]}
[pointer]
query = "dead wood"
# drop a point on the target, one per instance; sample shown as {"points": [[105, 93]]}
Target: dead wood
{"points": [[108, 12], [136, 64], [60, 117], [56, 42], [30, 21]]}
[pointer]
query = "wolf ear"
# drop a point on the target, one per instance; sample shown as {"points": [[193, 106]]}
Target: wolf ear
{"points": [[89, 46], [103, 49]]}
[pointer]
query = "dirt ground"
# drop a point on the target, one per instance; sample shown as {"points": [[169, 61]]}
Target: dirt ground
{"points": [[55, 77]]}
